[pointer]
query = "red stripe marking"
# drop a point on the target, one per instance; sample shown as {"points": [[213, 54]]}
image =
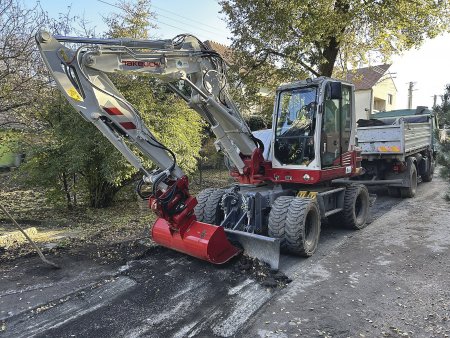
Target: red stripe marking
{"points": [[128, 125], [112, 111]]}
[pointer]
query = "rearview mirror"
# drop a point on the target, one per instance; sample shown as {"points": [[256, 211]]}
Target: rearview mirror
{"points": [[334, 90]]}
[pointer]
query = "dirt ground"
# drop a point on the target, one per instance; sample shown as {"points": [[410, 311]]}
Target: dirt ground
{"points": [[390, 279]]}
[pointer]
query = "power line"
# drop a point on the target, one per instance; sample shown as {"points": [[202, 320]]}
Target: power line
{"points": [[182, 29], [164, 23], [181, 16], [107, 3], [205, 30]]}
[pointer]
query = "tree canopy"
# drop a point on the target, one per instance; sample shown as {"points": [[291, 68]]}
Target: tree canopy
{"points": [[20, 84], [314, 36], [443, 109]]}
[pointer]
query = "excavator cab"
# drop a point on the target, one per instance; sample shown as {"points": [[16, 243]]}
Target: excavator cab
{"points": [[313, 126]]}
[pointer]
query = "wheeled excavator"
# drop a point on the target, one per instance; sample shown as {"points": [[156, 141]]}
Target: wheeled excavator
{"points": [[285, 186]]}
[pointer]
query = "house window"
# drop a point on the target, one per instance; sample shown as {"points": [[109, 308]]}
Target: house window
{"points": [[390, 99]]}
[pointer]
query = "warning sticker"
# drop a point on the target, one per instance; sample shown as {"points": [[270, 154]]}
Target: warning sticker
{"points": [[72, 92], [392, 149], [307, 194]]}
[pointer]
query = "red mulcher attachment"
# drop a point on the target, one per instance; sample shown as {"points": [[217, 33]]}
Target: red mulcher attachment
{"points": [[201, 240], [180, 230]]}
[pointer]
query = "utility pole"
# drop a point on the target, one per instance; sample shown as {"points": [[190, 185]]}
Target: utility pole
{"points": [[434, 100], [410, 95]]}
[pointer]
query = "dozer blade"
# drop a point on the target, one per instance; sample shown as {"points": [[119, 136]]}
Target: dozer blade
{"points": [[201, 240], [264, 248]]}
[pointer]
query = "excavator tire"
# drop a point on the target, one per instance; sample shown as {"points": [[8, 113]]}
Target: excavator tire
{"points": [[202, 197], [213, 213], [277, 219], [302, 230], [410, 191], [356, 208]]}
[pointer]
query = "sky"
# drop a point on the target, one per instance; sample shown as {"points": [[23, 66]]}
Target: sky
{"points": [[427, 66]]}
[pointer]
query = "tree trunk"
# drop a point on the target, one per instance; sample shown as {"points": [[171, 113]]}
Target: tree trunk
{"points": [[66, 190], [330, 54], [331, 51], [101, 192]]}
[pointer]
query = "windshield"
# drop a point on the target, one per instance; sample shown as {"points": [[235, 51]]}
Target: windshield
{"points": [[294, 142]]}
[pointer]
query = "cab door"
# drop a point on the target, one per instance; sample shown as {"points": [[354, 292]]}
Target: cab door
{"points": [[336, 127]]}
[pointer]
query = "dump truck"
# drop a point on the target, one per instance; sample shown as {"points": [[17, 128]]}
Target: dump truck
{"points": [[398, 147]]}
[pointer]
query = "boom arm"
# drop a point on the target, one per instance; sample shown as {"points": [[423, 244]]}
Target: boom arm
{"points": [[81, 75]]}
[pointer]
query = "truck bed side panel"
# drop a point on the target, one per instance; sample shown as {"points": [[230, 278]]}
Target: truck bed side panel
{"points": [[402, 139], [417, 137]]}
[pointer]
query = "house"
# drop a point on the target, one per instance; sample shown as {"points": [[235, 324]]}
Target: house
{"points": [[375, 90], [224, 51]]}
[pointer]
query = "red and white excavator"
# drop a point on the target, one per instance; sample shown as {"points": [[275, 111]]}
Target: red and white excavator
{"points": [[284, 186]]}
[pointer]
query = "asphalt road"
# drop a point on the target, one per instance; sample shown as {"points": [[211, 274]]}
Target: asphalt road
{"points": [[364, 283]]}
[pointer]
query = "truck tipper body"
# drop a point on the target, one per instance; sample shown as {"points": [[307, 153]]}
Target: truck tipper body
{"points": [[397, 147]]}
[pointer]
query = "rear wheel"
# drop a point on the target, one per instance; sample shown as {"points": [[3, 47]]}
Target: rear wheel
{"points": [[428, 176], [213, 209], [356, 208], [202, 197], [410, 191]]}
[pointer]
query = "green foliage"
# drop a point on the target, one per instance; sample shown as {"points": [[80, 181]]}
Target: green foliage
{"points": [[8, 147], [313, 35], [71, 156], [443, 113], [133, 21], [256, 122], [443, 110], [167, 116], [253, 87]]}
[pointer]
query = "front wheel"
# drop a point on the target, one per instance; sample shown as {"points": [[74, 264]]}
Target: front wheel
{"points": [[302, 227], [296, 222]]}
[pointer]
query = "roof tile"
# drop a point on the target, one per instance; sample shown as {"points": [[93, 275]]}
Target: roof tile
{"points": [[367, 77]]}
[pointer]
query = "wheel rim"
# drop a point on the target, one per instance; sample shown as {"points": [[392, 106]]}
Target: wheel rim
{"points": [[311, 223]]}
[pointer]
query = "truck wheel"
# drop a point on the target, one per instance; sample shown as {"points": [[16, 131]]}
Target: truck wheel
{"points": [[356, 207], [394, 191], [213, 210], [202, 197], [428, 176], [277, 219], [302, 229], [410, 191]]}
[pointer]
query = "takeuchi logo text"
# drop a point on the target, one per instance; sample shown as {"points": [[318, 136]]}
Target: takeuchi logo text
{"points": [[132, 63]]}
